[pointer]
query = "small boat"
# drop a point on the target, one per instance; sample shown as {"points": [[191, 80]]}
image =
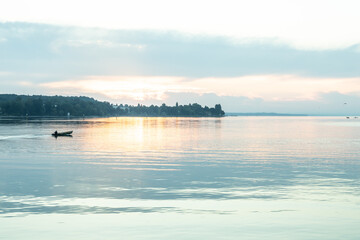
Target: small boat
{"points": [[57, 134]]}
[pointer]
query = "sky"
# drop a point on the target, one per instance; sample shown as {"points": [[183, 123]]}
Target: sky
{"points": [[250, 56]]}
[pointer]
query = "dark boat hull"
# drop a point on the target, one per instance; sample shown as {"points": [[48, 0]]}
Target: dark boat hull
{"points": [[59, 134]]}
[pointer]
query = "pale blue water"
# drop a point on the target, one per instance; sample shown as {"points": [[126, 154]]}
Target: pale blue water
{"points": [[181, 178]]}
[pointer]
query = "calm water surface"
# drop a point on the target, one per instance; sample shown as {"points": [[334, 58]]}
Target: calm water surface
{"points": [[181, 178]]}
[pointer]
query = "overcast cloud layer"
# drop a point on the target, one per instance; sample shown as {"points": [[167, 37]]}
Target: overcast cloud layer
{"points": [[68, 52]]}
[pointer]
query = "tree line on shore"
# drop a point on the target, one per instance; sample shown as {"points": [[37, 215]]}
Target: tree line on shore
{"points": [[38, 105]]}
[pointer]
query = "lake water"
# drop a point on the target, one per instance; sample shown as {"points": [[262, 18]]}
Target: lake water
{"points": [[181, 178]]}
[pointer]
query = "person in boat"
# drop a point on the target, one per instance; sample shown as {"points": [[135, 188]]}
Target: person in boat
{"points": [[56, 133]]}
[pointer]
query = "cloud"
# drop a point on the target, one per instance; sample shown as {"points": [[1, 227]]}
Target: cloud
{"points": [[6, 73], [69, 52], [304, 24], [138, 88]]}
